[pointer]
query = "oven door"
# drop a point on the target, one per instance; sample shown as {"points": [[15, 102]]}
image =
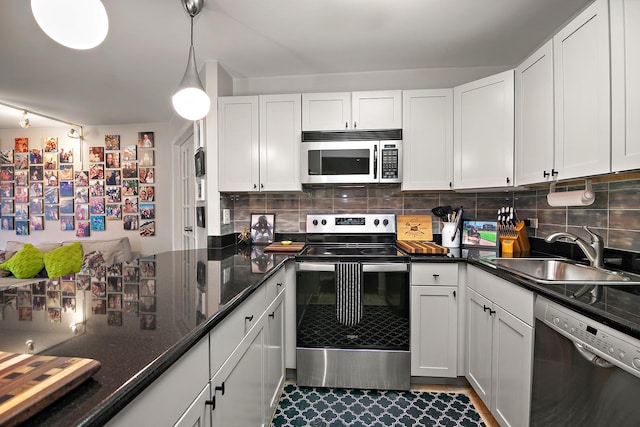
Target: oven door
{"points": [[325, 162], [383, 305]]}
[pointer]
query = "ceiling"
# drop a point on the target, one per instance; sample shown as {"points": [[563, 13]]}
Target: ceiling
{"points": [[131, 76]]}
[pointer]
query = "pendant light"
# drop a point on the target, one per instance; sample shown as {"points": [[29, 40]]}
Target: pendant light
{"points": [[190, 99], [77, 24], [24, 121]]}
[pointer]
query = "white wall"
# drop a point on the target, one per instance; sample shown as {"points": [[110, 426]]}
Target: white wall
{"points": [[94, 136]]}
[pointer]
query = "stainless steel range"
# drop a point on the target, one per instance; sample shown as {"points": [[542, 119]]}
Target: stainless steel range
{"points": [[352, 304]]}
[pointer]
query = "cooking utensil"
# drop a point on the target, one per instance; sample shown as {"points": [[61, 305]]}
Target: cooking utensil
{"points": [[442, 212], [459, 213]]}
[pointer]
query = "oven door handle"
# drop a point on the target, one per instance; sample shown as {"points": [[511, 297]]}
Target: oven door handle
{"points": [[366, 267], [316, 266]]}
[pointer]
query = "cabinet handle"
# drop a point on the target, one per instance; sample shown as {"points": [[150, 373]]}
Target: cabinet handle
{"points": [[454, 294], [508, 180], [485, 308], [554, 172], [211, 402], [346, 125], [435, 276], [545, 174], [273, 315], [219, 388], [278, 284], [261, 185], [491, 312], [249, 318], [355, 125], [255, 187], [450, 184]]}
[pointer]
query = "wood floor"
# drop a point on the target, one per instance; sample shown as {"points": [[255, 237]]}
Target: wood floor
{"points": [[480, 406]]}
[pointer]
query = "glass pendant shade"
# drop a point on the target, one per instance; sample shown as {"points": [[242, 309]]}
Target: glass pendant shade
{"points": [[77, 24], [190, 99]]}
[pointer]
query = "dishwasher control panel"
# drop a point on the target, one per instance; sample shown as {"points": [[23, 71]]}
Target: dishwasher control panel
{"points": [[605, 342]]}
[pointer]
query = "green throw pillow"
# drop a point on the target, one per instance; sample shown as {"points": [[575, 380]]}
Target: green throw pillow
{"points": [[26, 263], [63, 260]]}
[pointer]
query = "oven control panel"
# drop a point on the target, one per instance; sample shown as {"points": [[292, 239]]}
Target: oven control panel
{"points": [[601, 340], [351, 223]]}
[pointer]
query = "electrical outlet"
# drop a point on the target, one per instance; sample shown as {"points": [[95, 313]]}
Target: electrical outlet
{"points": [[532, 223], [226, 216]]}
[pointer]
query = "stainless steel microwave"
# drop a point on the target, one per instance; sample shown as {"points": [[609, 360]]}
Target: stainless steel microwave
{"points": [[351, 162]]}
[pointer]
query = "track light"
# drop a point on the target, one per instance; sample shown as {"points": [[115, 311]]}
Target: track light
{"points": [[24, 120], [190, 99], [77, 24]]}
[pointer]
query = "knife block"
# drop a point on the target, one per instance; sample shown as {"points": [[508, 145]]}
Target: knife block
{"points": [[515, 240]]}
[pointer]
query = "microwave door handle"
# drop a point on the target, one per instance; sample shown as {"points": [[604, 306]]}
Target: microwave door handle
{"points": [[375, 162]]}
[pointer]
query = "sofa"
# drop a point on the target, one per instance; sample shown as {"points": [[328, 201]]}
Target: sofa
{"points": [[67, 257]]}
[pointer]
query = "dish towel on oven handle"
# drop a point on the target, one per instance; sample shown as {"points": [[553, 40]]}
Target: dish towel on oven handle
{"points": [[349, 304]]}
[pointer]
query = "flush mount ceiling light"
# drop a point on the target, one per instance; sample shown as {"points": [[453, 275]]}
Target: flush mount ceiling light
{"points": [[73, 133], [190, 99], [77, 24], [24, 120]]}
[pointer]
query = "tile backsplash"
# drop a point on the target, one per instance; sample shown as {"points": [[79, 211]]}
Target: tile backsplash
{"points": [[615, 214]]}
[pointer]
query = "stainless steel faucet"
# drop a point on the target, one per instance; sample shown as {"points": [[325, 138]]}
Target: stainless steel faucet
{"points": [[594, 250]]}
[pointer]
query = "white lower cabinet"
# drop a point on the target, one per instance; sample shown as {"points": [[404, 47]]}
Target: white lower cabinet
{"points": [[500, 346], [198, 412], [274, 357], [434, 320]]}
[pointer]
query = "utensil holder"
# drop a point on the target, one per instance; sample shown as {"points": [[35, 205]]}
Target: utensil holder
{"points": [[514, 240]]}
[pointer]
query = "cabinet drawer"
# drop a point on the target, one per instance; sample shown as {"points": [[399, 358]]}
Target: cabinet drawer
{"points": [[274, 286], [425, 274], [228, 334]]}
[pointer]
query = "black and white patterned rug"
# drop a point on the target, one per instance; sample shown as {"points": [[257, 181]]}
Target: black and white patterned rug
{"points": [[331, 407]]}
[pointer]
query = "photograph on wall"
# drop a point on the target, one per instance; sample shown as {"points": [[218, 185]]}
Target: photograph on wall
{"points": [[147, 269], [112, 160], [22, 228], [25, 314], [114, 211], [50, 144], [36, 173], [96, 206], [113, 194], [22, 178], [66, 206], [82, 195], [22, 211], [262, 228], [97, 223], [66, 155], [36, 223], [67, 223], [129, 153], [21, 161], [114, 318], [21, 145], [146, 193], [7, 223], [96, 154], [146, 140], [199, 163], [82, 212], [96, 171], [68, 304], [147, 211], [130, 205], [6, 207], [50, 161], [82, 229], [51, 213], [35, 156], [6, 173], [99, 306], [66, 173], [81, 179], [130, 222], [6, 157], [51, 178], [129, 170], [6, 189], [22, 194], [66, 188], [35, 189], [112, 142], [147, 321], [200, 192], [113, 177], [96, 188], [146, 175], [130, 187], [51, 195], [146, 158]]}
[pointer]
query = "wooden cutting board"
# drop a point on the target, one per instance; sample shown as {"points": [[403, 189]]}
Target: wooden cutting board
{"points": [[29, 383], [414, 228], [279, 247], [424, 248]]}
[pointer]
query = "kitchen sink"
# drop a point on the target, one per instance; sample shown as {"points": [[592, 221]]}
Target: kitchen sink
{"points": [[558, 271]]}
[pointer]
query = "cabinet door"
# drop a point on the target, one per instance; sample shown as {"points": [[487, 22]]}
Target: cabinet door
{"points": [[241, 403], [427, 138], [483, 132], [582, 94], [280, 137], [534, 117], [625, 84], [479, 346], [434, 326], [326, 111], [274, 357], [377, 109], [199, 413], [511, 368], [238, 162]]}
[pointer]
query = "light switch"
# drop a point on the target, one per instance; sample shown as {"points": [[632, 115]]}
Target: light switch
{"points": [[226, 216]]}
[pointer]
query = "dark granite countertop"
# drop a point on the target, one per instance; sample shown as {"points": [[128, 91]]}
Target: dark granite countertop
{"points": [[191, 292]]}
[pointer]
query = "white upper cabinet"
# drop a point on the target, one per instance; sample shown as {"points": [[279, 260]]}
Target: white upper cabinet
{"points": [[427, 133], [326, 111], [259, 143], [534, 118], [377, 109], [582, 94], [625, 84], [337, 111], [483, 132]]}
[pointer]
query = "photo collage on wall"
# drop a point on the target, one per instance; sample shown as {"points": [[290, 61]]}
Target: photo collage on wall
{"points": [[39, 183], [120, 291]]}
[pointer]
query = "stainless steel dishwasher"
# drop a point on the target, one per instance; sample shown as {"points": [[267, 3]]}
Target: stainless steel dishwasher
{"points": [[584, 373]]}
